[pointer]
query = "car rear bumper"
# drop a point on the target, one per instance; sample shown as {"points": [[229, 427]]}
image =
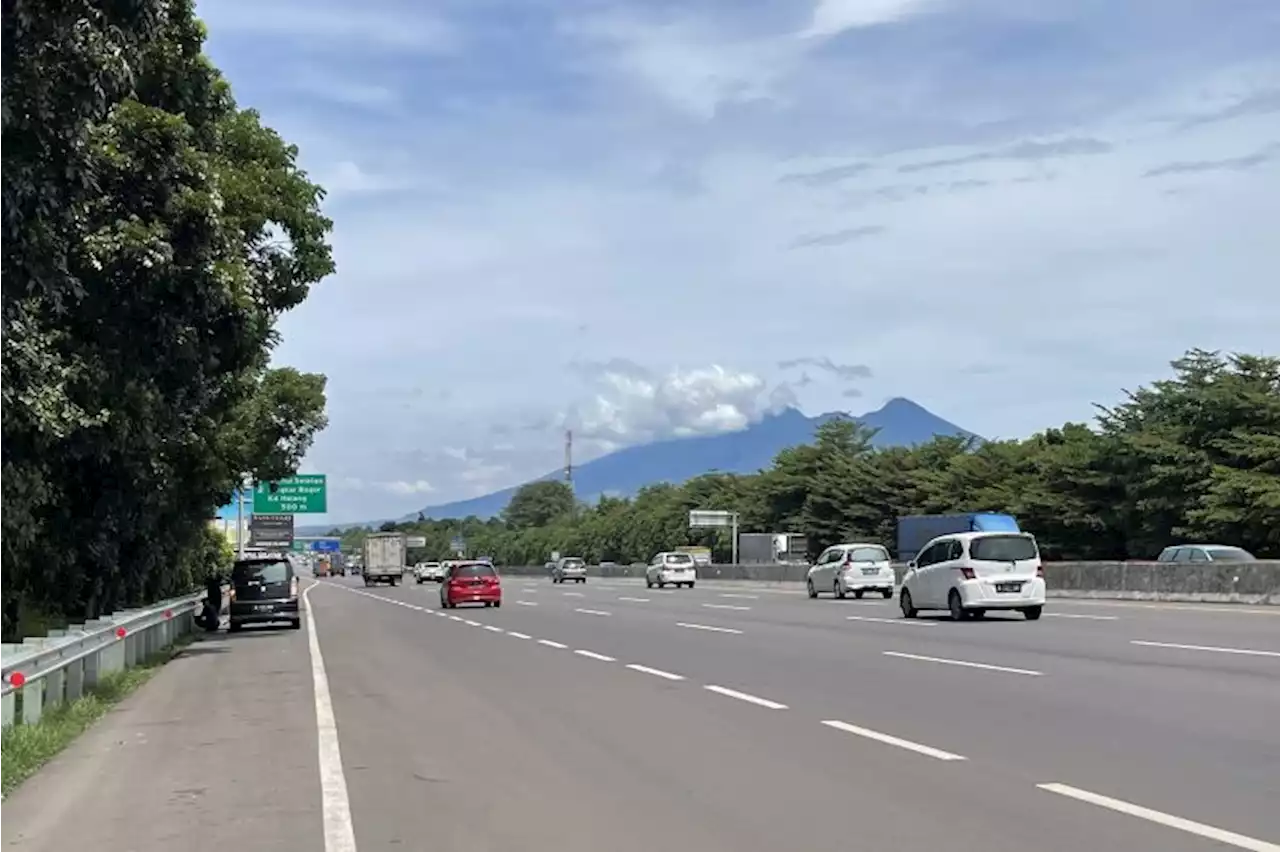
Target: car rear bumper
{"points": [[981, 594], [265, 612], [462, 596]]}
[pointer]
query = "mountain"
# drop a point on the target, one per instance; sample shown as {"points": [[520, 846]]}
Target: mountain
{"points": [[901, 423]]}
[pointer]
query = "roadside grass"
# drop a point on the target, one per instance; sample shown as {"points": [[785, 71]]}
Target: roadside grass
{"points": [[26, 748]]}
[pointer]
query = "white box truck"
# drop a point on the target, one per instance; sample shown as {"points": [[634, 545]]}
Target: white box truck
{"points": [[384, 555]]}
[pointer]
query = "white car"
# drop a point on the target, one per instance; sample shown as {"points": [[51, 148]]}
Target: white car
{"points": [[570, 568], [676, 569], [855, 568], [424, 571], [972, 573]]}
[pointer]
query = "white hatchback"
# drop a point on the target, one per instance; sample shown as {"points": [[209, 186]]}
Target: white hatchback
{"points": [[856, 568], [970, 573], [676, 569]]}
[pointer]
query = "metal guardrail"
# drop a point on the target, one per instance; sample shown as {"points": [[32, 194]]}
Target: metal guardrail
{"points": [[43, 673]]}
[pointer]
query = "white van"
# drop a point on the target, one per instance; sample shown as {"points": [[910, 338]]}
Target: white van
{"points": [[970, 573], [858, 568], [674, 568]]}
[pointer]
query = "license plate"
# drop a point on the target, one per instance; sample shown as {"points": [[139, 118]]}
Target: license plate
{"points": [[263, 608], [1008, 587], [870, 571]]}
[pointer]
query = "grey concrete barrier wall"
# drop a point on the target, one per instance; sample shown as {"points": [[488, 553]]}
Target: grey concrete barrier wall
{"points": [[1239, 582]]}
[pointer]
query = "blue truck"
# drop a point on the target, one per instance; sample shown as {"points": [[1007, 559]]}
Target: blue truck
{"points": [[915, 531]]}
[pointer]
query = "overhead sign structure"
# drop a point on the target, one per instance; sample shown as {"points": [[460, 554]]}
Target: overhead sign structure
{"points": [[271, 531], [707, 518], [327, 545], [304, 494], [415, 541], [458, 545]]}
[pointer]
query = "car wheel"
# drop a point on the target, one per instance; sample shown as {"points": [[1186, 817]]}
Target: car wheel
{"points": [[908, 608], [296, 624], [648, 583], [234, 627], [497, 604], [836, 591], [955, 606], [1033, 613], [859, 593], [813, 592], [583, 580], [888, 594]]}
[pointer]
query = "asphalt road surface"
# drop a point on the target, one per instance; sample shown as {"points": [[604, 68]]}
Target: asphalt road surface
{"points": [[606, 716]]}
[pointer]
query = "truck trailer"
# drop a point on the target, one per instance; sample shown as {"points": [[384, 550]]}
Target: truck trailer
{"points": [[383, 558]]}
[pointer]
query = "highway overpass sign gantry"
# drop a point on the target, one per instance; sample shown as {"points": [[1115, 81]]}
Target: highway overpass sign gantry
{"points": [[703, 518], [304, 494]]}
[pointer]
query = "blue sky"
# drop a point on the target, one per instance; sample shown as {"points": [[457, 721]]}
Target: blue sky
{"points": [[649, 218]]}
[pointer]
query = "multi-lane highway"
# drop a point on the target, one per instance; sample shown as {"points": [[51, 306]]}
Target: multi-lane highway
{"points": [[735, 717]]}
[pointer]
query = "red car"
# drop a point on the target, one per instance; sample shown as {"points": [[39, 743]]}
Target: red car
{"points": [[471, 582]]}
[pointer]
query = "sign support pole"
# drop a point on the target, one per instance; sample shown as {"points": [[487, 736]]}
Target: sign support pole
{"points": [[240, 519]]}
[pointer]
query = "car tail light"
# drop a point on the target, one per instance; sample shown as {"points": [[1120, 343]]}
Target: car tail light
{"points": [[967, 572], [293, 587], [1040, 571]]}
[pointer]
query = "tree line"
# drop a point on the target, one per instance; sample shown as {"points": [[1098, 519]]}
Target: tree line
{"points": [[154, 232], [1193, 457]]}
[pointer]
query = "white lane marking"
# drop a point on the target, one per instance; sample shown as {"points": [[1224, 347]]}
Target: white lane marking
{"points": [[911, 621], [728, 606], [593, 655], [551, 644], [1168, 820], [339, 832], [493, 628], [470, 623], [731, 595], [634, 600], [708, 627], [455, 618], [655, 672], [1251, 652], [929, 751], [1234, 609], [591, 611], [1082, 615], [526, 603], [519, 635], [573, 594], [946, 662], [743, 696]]}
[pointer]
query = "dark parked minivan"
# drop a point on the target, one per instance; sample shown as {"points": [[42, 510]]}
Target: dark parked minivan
{"points": [[264, 590]]}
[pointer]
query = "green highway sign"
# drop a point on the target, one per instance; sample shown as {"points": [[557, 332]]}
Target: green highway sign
{"points": [[304, 494], [299, 546]]}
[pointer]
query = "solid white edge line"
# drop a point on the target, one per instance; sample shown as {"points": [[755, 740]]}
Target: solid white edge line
{"points": [[744, 696], [591, 611], [887, 739], [551, 644], [946, 662], [519, 635], [593, 655], [1168, 820], [1210, 648], [339, 831], [708, 627], [655, 672]]}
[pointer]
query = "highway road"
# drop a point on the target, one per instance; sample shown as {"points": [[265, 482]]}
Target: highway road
{"points": [[607, 716]]}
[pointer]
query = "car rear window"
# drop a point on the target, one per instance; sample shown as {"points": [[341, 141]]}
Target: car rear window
{"points": [[573, 563], [679, 559], [265, 572], [477, 570], [868, 554], [1003, 548], [1230, 554]]}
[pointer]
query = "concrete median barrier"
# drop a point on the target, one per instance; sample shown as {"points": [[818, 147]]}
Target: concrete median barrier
{"points": [[1232, 582]]}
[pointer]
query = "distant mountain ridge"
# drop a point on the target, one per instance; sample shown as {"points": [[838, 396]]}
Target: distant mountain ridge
{"points": [[900, 422]]}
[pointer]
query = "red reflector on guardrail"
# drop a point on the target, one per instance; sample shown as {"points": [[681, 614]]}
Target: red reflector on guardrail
{"points": [[17, 679], [120, 631], [168, 613]]}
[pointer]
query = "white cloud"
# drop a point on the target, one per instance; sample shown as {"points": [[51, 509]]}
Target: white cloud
{"points": [[663, 188], [401, 488]]}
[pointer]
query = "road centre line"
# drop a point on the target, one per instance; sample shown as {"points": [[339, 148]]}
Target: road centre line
{"points": [[636, 667], [573, 594], [634, 600], [1168, 820], [551, 644], [731, 595], [591, 611], [526, 603], [594, 656], [470, 623], [1082, 615], [947, 662], [494, 628], [1210, 648], [928, 751], [728, 606], [708, 627], [518, 635], [908, 621], [747, 697]]}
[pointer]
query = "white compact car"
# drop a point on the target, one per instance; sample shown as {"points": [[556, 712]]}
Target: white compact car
{"points": [[424, 571], [569, 569], [972, 573], [676, 569], [856, 568]]}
